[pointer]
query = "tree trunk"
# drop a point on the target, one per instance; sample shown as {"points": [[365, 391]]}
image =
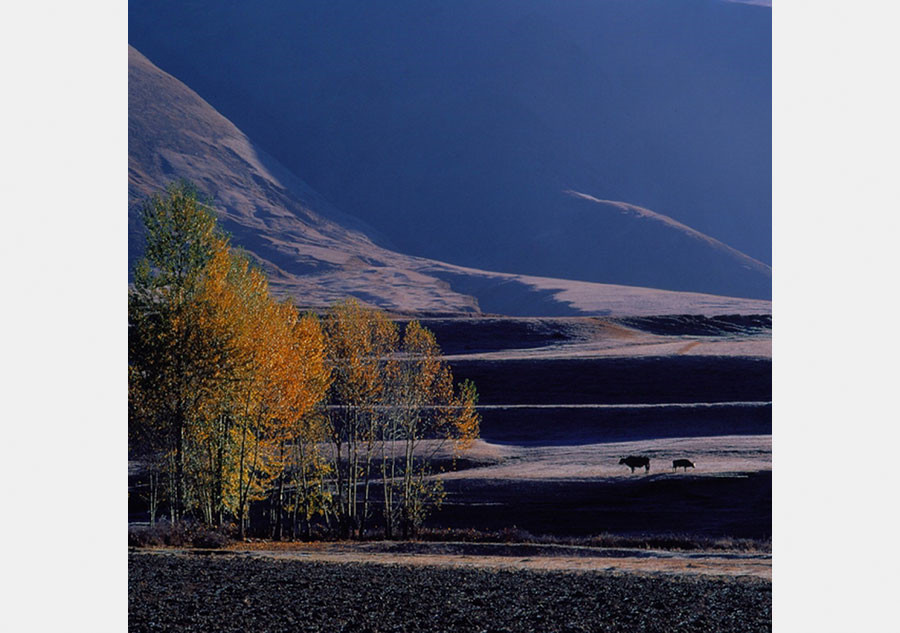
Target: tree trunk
{"points": [[154, 496], [407, 489], [178, 510], [338, 471], [251, 472], [351, 493], [389, 484], [365, 511], [278, 510], [302, 488], [170, 471], [241, 496], [220, 474], [354, 492], [296, 512]]}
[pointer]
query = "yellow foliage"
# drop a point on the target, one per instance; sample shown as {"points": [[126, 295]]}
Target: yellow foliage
{"points": [[237, 394]]}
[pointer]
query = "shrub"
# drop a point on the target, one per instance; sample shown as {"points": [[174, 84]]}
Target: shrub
{"points": [[179, 534]]}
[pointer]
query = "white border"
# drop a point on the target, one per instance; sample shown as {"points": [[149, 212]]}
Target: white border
{"points": [[835, 286], [64, 114], [835, 314]]}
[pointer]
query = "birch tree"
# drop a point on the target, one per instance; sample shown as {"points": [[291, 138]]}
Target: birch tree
{"points": [[221, 377], [360, 342], [173, 361], [426, 412]]}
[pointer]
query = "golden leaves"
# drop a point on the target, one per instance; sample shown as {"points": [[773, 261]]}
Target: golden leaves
{"points": [[240, 392]]}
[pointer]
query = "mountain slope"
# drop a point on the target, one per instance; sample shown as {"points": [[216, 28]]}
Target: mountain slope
{"points": [[639, 247], [173, 133], [455, 128], [317, 254]]}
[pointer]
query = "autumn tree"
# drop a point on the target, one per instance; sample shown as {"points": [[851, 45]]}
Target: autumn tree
{"points": [[296, 384], [221, 377], [309, 472], [235, 398], [391, 409], [173, 362], [360, 343], [277, 377], [425, 413]]}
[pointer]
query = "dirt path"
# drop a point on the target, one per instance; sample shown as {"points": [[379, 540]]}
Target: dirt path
{"points": [[515, 556]]}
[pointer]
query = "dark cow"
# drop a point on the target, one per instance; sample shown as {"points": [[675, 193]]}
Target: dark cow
{"points": [[678, 463], [636, 462]]}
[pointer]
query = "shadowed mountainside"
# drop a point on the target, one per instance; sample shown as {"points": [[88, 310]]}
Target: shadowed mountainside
{"points": [[317, 254], [173, 133], [456, 129], [661, 252]]}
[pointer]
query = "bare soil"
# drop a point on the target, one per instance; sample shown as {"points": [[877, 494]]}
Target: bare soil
{"points": [[174, 591]]}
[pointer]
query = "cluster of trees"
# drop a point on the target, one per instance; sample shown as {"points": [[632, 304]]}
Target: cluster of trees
{"points": [[236, 400]]}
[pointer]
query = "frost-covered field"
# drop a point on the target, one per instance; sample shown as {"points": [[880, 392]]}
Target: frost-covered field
{"points": [[581, 489], [712, 457]]}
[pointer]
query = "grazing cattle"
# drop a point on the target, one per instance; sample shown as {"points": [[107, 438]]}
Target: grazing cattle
{"points": [[678, 463], [636, 462]]}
